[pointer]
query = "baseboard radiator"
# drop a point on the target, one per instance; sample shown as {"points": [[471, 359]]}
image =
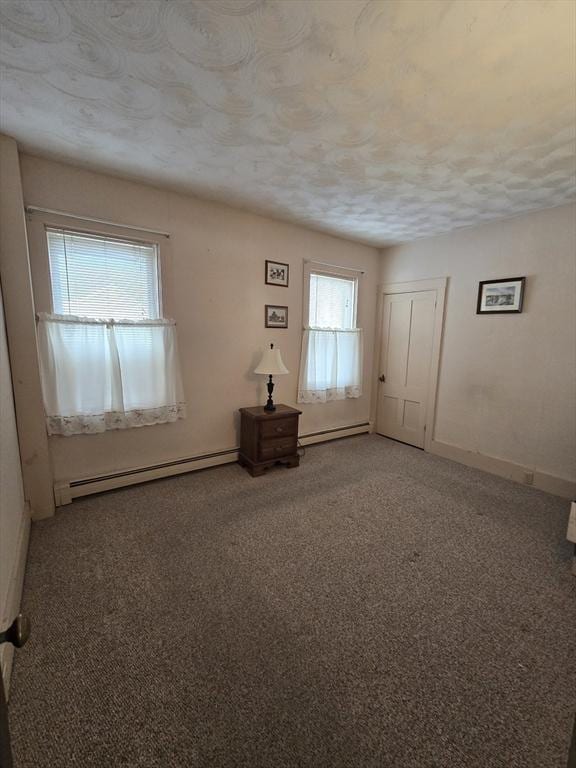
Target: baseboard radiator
{"points": [[66, 491]]}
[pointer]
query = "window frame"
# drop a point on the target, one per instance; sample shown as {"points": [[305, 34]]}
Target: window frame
{"points": [[39, 222], [312, 268]]}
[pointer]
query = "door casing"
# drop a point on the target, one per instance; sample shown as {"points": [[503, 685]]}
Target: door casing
{"points": [[438, 284]]}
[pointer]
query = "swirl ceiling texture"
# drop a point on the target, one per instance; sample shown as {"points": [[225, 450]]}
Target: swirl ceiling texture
{"points": [[379, 121]]}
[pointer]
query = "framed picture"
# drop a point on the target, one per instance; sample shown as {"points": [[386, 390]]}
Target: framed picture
{"points": [[276, 317], [277, 273], [500, 296]]}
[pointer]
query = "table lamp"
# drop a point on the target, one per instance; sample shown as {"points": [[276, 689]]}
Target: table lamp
{"points": [[271, 365]]}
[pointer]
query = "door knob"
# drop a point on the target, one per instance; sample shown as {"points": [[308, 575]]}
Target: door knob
{"points": [[382, 378], [17, 633]]}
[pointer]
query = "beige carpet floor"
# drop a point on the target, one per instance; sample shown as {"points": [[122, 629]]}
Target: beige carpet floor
{"points": [[377, 607]]}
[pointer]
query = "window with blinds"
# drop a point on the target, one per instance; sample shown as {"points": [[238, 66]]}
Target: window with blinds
{"points": [[331, 364], [332, 302], [103, 277]]}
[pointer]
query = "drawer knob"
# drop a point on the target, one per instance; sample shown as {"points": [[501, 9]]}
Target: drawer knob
{"points": [[279, 429]]}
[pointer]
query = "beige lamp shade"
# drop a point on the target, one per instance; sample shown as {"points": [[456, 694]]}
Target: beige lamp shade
{"points": [[271, 363]]}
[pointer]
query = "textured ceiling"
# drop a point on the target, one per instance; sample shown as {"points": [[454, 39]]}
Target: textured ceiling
{"points": [[381, 121]]}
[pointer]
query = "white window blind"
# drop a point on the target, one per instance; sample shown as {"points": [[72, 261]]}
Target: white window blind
{"points": [[107, 358], [332, 302], [103, 277], [332, 345]]}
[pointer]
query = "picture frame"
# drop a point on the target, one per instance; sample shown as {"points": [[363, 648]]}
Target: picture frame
{"points": [[277, 273], [275, 316], [500, 297]]}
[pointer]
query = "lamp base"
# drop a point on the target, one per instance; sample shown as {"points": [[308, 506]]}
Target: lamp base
{"points": [[270, 404]]}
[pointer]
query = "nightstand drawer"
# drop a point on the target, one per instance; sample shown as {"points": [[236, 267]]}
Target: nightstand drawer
{"points": [[278, 427], [273, 449]]}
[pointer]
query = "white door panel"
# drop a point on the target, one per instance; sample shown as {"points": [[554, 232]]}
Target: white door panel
{"points": [[405, 357]]}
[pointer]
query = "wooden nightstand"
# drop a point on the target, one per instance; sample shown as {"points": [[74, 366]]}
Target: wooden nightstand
{"points": [[268, 438]]}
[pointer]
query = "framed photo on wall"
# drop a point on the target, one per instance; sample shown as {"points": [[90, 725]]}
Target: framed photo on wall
{"points": [[275, 316], [277, 273], [500, 296]]}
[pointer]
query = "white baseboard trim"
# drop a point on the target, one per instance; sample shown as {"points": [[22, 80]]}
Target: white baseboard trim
{"points": [[558, 486], [10, 610], [67, 490]]}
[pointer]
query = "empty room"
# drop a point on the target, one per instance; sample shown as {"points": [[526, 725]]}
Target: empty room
{"points": [[288, 384]]}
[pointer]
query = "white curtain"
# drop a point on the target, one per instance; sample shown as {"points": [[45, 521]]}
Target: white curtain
{"points": [[330, 365], [99, 375]]}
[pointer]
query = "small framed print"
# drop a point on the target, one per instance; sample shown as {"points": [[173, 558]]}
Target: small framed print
{"points": [[276, 317], [277, 273], [500, 296]]}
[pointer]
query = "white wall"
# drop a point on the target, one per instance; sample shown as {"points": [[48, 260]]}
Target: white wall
{"points": [[14, 518], [21, 334], [217, 298], [507, 385]]}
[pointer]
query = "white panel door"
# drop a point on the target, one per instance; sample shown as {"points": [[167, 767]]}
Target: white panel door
{"points": [[405, 358]]}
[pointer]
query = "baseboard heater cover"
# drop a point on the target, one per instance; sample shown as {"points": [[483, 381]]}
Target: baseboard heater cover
{"points": [[66, 491], [335, 433]]}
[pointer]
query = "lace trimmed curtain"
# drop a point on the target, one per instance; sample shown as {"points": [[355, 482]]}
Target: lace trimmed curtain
{"points": [[108, 374], [330, 365]]}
